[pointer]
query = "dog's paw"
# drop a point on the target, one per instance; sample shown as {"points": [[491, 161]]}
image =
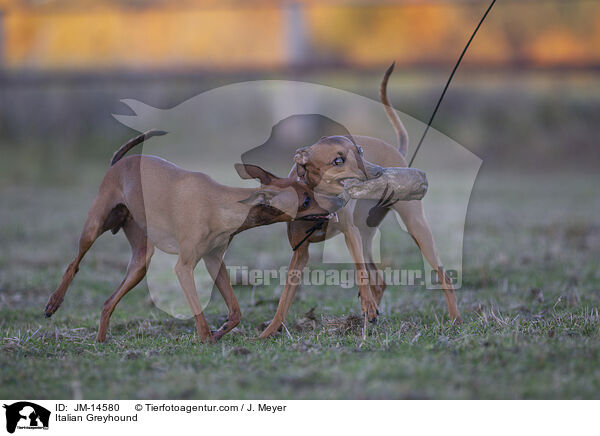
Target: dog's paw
{"points": [[52, 305], [369, 307], [216, 335], [210, 339], [270, 329], [457, 320]]}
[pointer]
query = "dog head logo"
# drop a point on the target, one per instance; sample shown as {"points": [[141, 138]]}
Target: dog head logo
{"points": [[26, 415]]}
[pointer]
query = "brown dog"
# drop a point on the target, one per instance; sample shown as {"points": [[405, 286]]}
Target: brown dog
{"points": [[158, 204], [325, 166]]}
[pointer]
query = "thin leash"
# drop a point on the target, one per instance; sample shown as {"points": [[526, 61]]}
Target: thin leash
{"points": [[319, 224], [437, 106]]}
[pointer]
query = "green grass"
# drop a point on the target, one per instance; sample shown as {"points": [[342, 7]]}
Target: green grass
{"points": [[525, 232]]}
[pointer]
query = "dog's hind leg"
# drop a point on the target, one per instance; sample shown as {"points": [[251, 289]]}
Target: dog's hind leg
{"points": [[413, 215], [141, 253], [216, 268], [100, 219], [294, 276]]}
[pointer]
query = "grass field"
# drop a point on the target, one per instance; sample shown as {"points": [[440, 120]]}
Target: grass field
{"points": [[530, 304]]}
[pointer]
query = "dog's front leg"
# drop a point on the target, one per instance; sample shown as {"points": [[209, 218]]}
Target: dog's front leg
{"points": [[294, 276], [367, 301], [185, 273], [217, 269]]}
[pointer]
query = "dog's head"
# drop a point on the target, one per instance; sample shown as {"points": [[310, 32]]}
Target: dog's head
{"points": [[332, 160], [285, 199]]}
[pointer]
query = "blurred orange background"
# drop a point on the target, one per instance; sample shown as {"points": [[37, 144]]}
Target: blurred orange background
{"points": [[247, 35]]}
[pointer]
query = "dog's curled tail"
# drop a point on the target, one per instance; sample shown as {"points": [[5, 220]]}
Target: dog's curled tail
{"points": [[133, 142], [401, 132]]}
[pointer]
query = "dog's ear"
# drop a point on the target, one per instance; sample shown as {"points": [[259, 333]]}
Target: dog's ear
{"points": [[302, 156], [262, 197], [247, 171]]}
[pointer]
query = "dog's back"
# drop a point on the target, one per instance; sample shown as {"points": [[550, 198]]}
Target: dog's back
{"points": [[380, 152]]}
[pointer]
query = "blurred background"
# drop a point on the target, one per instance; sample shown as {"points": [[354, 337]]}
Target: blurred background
{"points": [[527, 94]]}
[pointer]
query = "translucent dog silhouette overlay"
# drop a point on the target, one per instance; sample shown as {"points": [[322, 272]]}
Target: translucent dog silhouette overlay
{"points": [[264, 122]]}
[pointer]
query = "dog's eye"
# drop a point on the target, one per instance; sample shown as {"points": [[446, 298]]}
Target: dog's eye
{"points": [[338, 161], [306, 201]]}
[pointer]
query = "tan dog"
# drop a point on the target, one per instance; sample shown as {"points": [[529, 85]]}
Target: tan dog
{"points": [[158, 204], [326, 166]]}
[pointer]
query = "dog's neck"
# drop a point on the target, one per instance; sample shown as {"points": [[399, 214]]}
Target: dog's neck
{"points": [[261, 216], [237, 216]]}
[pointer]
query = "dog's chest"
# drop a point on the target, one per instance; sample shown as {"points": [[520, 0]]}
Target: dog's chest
{"points": [[319, 235]]}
